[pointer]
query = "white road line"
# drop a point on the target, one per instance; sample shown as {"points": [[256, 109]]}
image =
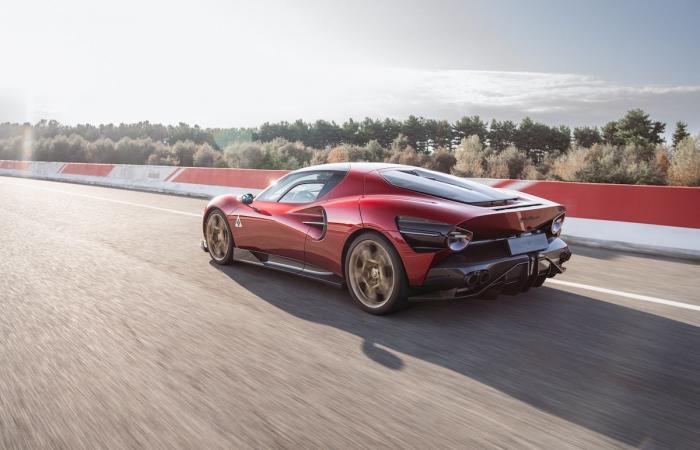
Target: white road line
{"points": [[94, 197], [643, 298]]}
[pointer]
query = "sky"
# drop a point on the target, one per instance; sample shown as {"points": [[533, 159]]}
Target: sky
{"points": [[236, 63]]}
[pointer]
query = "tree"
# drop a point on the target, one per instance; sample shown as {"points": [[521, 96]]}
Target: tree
{"points": [[638, 128], [610, 134], [206, 156], [587, 136], [501, 134], [184, 152], [352, 134], [323, 134], [62, 148], [469, 126], [559, 139], [12, 148], [412, 128], [438, 133], [373, 129], [102, 151], [227, 136], [247, 155], [634, 128], [298, 131], [162, 156], [391, 130], [535, 138], [680, 133], [135, 151]]}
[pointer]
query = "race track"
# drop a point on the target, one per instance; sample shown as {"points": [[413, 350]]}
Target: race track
{"points": [[117, 331]]}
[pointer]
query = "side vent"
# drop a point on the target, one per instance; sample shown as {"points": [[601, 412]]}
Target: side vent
{"points": [[315, 218]]}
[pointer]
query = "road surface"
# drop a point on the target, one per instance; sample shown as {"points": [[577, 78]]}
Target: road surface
{"points": [[116, 331]]}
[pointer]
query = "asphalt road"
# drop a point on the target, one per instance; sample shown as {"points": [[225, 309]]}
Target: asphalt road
{"points": [[116, 331]]}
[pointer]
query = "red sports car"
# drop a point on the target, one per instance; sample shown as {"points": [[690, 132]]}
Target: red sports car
{"points": [[390, 232]]}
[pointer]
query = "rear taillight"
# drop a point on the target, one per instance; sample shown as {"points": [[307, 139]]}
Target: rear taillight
{"points": [[458, 240], [557, 224], [425, 235]]}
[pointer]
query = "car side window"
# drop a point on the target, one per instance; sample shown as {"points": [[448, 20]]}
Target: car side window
{"points": [[302, 193], [277, 190]]}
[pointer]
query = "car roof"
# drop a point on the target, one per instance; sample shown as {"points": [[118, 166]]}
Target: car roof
{"points": [[354, 166]]}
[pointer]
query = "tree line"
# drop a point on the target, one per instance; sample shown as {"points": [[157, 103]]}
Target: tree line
{"points": [[628, 150], [424, 135]]}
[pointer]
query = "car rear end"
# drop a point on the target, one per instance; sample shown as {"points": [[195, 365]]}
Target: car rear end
{"points": [[510, 262], [482, 240]]}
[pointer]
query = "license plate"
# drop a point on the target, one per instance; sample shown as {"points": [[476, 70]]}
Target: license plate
{"points": [[527, 244]]}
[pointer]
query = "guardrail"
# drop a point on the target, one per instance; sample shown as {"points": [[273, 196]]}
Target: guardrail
{"points": [[660, 220]]}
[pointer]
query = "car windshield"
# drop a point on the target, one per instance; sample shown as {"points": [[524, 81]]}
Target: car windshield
{"points": [[444, 186]]}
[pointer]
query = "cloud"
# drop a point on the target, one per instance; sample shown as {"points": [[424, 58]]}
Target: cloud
{"points": [[553, 97], [523, 90]]}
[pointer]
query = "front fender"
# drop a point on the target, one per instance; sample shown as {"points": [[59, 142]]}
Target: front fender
{"points": [[228, 203]]}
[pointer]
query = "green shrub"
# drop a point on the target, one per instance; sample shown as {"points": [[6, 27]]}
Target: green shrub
{"points": [[135, 151], [206, 156], [61, 148], [506, 164], [470, 158], [685, 163], [441, 160], [102, 151]]}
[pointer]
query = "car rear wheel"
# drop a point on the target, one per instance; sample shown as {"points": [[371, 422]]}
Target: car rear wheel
{"points": [[219, 238], [375, 275]]}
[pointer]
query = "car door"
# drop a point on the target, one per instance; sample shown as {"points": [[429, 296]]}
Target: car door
{"points": [[275, 222]]}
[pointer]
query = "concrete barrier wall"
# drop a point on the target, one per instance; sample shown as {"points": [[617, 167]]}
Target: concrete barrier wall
{"points": [[660, 220]]}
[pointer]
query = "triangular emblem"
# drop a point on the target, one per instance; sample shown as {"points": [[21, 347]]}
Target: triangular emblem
{"points": [[238, 221]]}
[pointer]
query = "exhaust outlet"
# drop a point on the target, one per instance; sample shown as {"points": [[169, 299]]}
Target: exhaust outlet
{"points": [[472, 279], [484, 277]]}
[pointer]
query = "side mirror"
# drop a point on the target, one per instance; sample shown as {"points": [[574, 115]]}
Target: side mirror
{"points": [[247, 199]]}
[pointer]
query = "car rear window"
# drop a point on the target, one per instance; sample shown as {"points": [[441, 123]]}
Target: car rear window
{"points": [[444, 186]]}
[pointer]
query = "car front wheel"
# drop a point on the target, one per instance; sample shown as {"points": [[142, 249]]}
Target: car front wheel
{"points": [[219, 238], [375, 275]]}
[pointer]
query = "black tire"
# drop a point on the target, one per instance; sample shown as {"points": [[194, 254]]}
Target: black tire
{"points": [[372, 264], [221, 252]]}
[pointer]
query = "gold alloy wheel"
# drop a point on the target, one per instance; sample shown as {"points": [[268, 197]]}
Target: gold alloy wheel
{"points": [[371, 274], [218, 238]]}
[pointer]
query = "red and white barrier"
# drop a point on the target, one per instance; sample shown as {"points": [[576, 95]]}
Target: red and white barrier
{"points": [[656, 219], [194, 181]]}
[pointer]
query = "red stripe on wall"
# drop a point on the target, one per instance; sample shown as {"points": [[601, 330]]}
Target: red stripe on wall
{"points": [[660, 205], [14, 165], [503, 183], [172, 174], [244, 178], [95, 170]]}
